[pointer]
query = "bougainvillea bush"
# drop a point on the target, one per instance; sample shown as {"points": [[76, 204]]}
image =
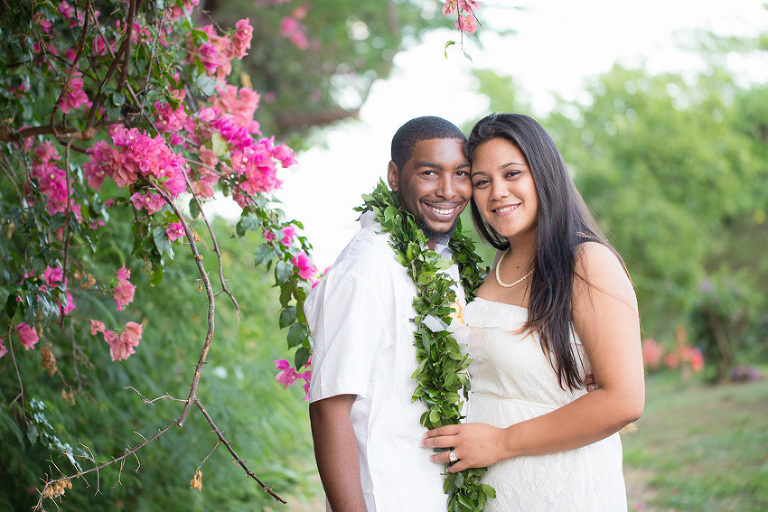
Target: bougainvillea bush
{"points": [[119, 125]]}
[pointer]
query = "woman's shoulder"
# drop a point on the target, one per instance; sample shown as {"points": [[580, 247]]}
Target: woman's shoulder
{"points": [[601, 267]]}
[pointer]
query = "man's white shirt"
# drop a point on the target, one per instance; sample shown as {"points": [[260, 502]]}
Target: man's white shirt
{"points": [[360, 319]]}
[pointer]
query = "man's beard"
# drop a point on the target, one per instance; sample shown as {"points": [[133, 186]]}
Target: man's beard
{"points": [[433, 235]]}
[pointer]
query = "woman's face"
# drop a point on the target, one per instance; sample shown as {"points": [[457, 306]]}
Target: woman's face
{"points": [[503, 189]]}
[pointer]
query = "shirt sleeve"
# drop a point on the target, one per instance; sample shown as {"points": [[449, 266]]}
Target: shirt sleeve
{"points": [[348, 326]]}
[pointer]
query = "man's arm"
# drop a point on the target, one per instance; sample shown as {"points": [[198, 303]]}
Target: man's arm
{"points": [[336, 452]]}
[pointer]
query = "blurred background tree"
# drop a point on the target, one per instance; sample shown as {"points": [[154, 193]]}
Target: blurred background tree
{"points": [[675, 169]]}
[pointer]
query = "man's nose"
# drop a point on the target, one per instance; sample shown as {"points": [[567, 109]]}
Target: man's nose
{"points": [[447, 188]]}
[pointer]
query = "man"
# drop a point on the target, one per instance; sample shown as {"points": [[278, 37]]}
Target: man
{"points": [[366, 429]]}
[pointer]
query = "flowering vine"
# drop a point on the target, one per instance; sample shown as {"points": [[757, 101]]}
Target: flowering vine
{"points": [[141, 118]]}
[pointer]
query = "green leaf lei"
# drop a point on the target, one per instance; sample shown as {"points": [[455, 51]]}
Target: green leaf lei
{"points": [[442, 364]]}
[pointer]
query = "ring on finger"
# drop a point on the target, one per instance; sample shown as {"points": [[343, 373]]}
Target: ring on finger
{"points": [[452, 456]]}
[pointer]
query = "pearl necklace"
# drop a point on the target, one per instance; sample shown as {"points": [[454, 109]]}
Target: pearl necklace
{"points": [[498, 279]]}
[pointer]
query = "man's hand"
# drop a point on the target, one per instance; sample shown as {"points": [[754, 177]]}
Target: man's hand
{"points": [[336, 452]]}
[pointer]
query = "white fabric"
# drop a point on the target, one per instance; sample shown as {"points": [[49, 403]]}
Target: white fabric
{"points": [[512, 381], [360, 320]]}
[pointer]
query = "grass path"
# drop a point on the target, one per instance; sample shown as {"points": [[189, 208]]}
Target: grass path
{"points": [[699, 448]]}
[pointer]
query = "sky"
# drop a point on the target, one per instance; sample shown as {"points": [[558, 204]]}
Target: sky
{"points": [[558, 46]]}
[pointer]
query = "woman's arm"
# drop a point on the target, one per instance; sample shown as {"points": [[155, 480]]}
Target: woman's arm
{"points": [[606, 320]]}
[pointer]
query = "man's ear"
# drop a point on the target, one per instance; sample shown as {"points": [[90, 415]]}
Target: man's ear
{"points": [[393, 176]]}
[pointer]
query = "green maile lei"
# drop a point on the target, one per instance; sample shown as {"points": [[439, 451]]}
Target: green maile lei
{"points": [[441, 374]]}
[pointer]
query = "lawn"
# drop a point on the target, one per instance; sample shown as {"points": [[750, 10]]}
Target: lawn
{"points": [[699, 448]]}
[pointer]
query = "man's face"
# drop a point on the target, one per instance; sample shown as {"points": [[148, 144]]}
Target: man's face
{"points": [[434, 185]]}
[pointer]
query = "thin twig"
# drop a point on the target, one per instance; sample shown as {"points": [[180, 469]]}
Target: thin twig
{"points": [[128, 452], [211, 304], [147, 401], [18, 376], [234, 454], [67, 230], [215, 247]]}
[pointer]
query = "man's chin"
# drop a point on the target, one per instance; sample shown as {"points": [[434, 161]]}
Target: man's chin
{"points": [[435, 233]]}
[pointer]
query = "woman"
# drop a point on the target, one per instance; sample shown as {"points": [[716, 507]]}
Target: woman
{"points": [[557, 306]]}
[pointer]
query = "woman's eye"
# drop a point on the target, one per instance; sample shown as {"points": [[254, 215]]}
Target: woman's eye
{"points": [[480, 183]]}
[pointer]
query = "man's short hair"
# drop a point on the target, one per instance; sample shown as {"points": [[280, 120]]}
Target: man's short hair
{"points": [[418, 129]]}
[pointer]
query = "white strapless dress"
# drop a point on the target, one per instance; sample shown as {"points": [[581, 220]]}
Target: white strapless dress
{"points": [[512, 381]]}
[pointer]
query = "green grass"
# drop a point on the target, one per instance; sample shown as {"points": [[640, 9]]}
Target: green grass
{"points": [[699, 448]]}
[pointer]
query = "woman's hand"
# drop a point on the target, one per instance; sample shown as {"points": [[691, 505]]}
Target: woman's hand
{"points": [[476, 445]]}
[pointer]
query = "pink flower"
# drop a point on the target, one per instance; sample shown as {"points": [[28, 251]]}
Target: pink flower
{"points": [[307, 376], [168, 119], [123, 273], [697, 360], [27, 335], [287, 375], [73, 95], [288, 233], [3, 350], [652, 353], [122, 346], [174, 231], [51, 276], [124, 290], [449, 7], [284, 154], [69, 307], [97, 326], [469, 5], [295, 31], [132, 334], [467, 23], [241, 41], [304, 265]]}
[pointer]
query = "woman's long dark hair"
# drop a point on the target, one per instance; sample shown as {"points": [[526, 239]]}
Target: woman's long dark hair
{"points": [[562, 223]]}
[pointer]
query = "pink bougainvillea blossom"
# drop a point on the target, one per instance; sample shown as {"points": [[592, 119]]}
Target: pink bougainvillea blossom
{"points": [[73, 95], [3, 350], [52, 180], [124, 290], [449, 7], [304, 265], [467, 23], [287, 374], [295, 31], [284, 154], [186, 8], [652, 354], [307, 376], [54, 275], [97, 326], [136, 154], [123, 273], [27, 335], [175, 230], [240, 103], [69, 306], [241, 41], [289, 232], [169, 119], [123, 345]]}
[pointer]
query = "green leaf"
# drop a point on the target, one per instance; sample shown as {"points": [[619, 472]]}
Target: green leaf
{"points": [[297, 334], [283, 272], [264, 254], [287, 316], [247, 223], [194, 208], [301, 358], [11, 305]]}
